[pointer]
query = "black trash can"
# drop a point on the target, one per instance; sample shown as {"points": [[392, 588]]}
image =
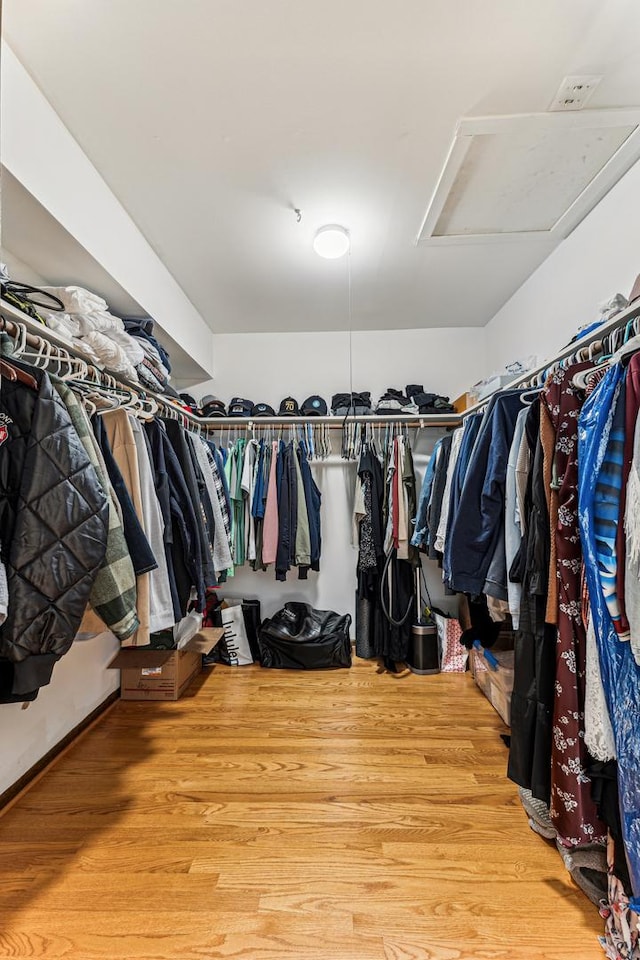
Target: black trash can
{"points": [[424, 649]]}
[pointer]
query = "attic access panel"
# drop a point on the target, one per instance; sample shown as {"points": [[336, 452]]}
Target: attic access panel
{"points": [[530, 176]]}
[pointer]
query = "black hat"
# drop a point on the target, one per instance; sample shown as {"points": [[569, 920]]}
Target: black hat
{"points": [[189, 400], [262, 410], [314, 407], [240, 407], [289, 408], [212, 407]]}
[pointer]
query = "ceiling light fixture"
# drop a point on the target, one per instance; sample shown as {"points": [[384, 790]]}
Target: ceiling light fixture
{"points": [[332, 242]]}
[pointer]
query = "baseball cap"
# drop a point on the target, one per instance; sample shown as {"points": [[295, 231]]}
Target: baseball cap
{"points": [[239, 407], [289, 408], [314, 407], [212, 407], [262, 410]]}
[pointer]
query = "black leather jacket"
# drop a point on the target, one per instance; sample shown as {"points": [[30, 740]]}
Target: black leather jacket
{"points": [[53, 525]]}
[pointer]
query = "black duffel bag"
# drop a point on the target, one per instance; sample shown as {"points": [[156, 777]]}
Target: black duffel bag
{"points": [[301, 638]]}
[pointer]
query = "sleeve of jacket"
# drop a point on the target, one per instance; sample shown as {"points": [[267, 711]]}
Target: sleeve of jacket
{"points": [[59, 538]]}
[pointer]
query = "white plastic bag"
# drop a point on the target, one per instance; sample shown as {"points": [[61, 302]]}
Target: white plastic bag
{"points": [[187, 628]]}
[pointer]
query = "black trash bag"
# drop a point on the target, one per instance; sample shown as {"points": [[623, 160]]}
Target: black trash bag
{"points": [[301, 638]]}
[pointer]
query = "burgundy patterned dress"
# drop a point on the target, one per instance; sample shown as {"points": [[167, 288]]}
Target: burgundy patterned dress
{"points": [[572, 811]]}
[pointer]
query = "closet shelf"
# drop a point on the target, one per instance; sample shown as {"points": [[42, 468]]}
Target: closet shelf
{"points": [[620, 319], [440, 420]]}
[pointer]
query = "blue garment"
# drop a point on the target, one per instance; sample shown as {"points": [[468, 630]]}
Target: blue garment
{"points": [[476, 527], [421, 531], [313, 500], [143, 329], [607, 502], [620, 673], [258, 503], [471, 429], [472, 426], [220, 459]]}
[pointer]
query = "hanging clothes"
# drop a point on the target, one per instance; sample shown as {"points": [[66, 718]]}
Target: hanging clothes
{"points": [[420, 537], [160, 601], [436, 499], [113, 598], [123, 447], [386, 591], [183, 525], [514, 525], [573, 811], [534, 662], [620, 673], [53, 530], [478, 526]]}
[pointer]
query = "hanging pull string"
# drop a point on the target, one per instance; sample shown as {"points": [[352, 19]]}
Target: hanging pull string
{"points": [[347, 453], [350, 309]]}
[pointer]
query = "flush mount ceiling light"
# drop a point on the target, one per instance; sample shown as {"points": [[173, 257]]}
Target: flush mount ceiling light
{"points": [[331, 242]]}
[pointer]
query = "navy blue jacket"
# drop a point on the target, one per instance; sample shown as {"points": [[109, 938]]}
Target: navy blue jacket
{"points": [[475, 529]]}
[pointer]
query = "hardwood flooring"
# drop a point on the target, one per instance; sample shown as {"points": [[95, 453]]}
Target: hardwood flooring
{"points": [[288, 816]]}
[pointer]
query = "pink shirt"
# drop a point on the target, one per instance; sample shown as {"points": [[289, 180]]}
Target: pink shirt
{"points": [[270, 531]]}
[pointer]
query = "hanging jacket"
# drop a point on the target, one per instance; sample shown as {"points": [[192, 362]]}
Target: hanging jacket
{"points": [[141, 553], [313, 499], [287, 512], [113, 599], [186, 556], [178, 440], [476, 527], [53, 526]]}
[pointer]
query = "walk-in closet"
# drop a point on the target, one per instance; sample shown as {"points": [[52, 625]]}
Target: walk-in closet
{"points": [[319, 480]]}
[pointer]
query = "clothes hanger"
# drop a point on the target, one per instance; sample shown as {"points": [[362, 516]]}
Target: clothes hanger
{"points": [[17, 374], [6, 370], [528, 397]]}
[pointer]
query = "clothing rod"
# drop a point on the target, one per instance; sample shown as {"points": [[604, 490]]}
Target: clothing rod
{"points": [[335, 423], [620, 320]]}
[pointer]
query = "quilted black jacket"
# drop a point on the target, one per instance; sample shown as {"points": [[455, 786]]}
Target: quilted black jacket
{"points": [[53, 525]]}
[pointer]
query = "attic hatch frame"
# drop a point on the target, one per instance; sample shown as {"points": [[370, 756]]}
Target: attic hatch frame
{"points": [[468, 128]]}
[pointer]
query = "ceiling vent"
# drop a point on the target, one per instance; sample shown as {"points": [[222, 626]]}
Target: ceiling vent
{"points": [[531, 176]]}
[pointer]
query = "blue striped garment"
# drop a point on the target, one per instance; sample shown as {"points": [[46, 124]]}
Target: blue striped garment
{"points": [[606, 512]]}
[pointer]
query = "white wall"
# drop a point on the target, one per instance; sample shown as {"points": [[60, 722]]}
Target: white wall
{"points": [[80, 682], [266, 367], [62, 179], [19, 270], [599, 259]]}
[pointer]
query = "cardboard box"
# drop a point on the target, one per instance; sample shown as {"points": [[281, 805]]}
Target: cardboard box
{"points": [[147, 674], [463, 402], [497, 685]]}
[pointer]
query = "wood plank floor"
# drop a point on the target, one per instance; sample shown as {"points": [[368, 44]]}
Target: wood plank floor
{"points": [[286, 816]]}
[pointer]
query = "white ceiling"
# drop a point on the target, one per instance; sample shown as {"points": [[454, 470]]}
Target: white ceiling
{"points": [[211, 119]]}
